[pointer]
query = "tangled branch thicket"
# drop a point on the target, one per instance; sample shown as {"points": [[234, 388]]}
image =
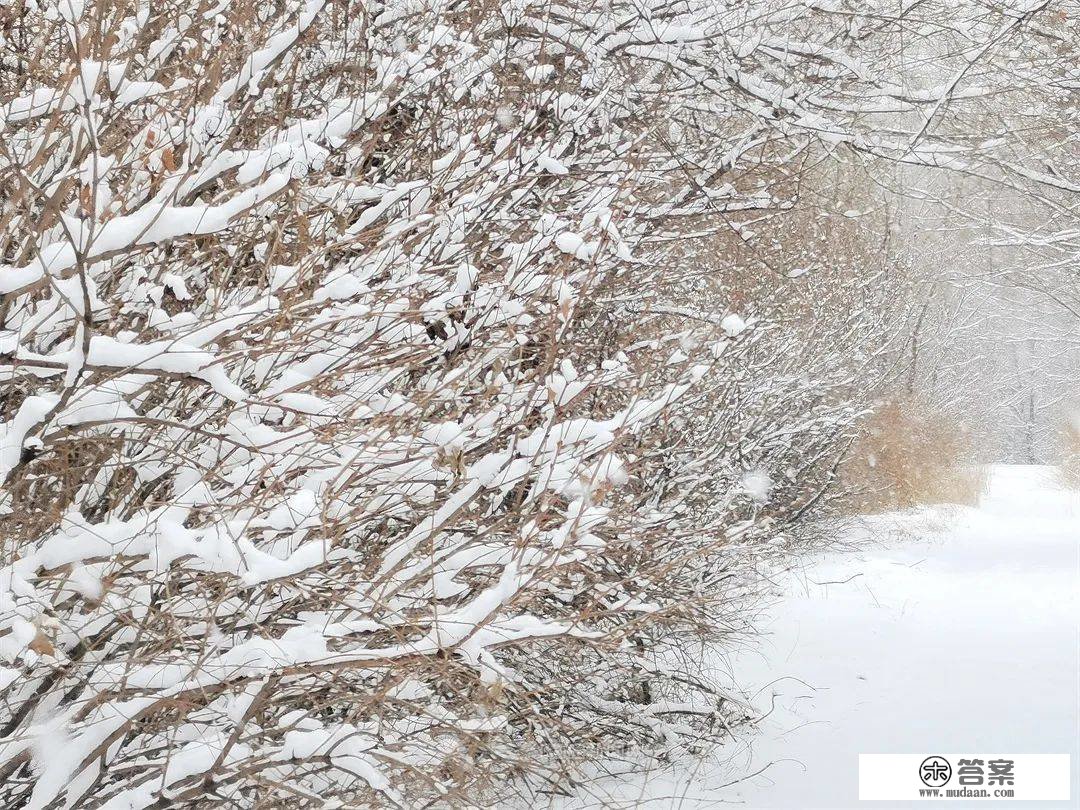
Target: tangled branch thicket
{"points": [[359, 443]]}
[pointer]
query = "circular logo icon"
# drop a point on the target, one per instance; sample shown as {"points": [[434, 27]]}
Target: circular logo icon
{"points": [[935, 771]]}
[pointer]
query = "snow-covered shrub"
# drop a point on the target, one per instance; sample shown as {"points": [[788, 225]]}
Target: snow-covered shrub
{"points": [[825, 315], [321, 479], [908, 454]]}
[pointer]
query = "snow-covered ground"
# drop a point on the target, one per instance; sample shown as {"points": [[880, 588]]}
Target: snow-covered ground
{"points": [[948, 632]]}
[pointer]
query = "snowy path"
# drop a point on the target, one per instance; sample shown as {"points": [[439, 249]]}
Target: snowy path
{"points": [[964, 638]]}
